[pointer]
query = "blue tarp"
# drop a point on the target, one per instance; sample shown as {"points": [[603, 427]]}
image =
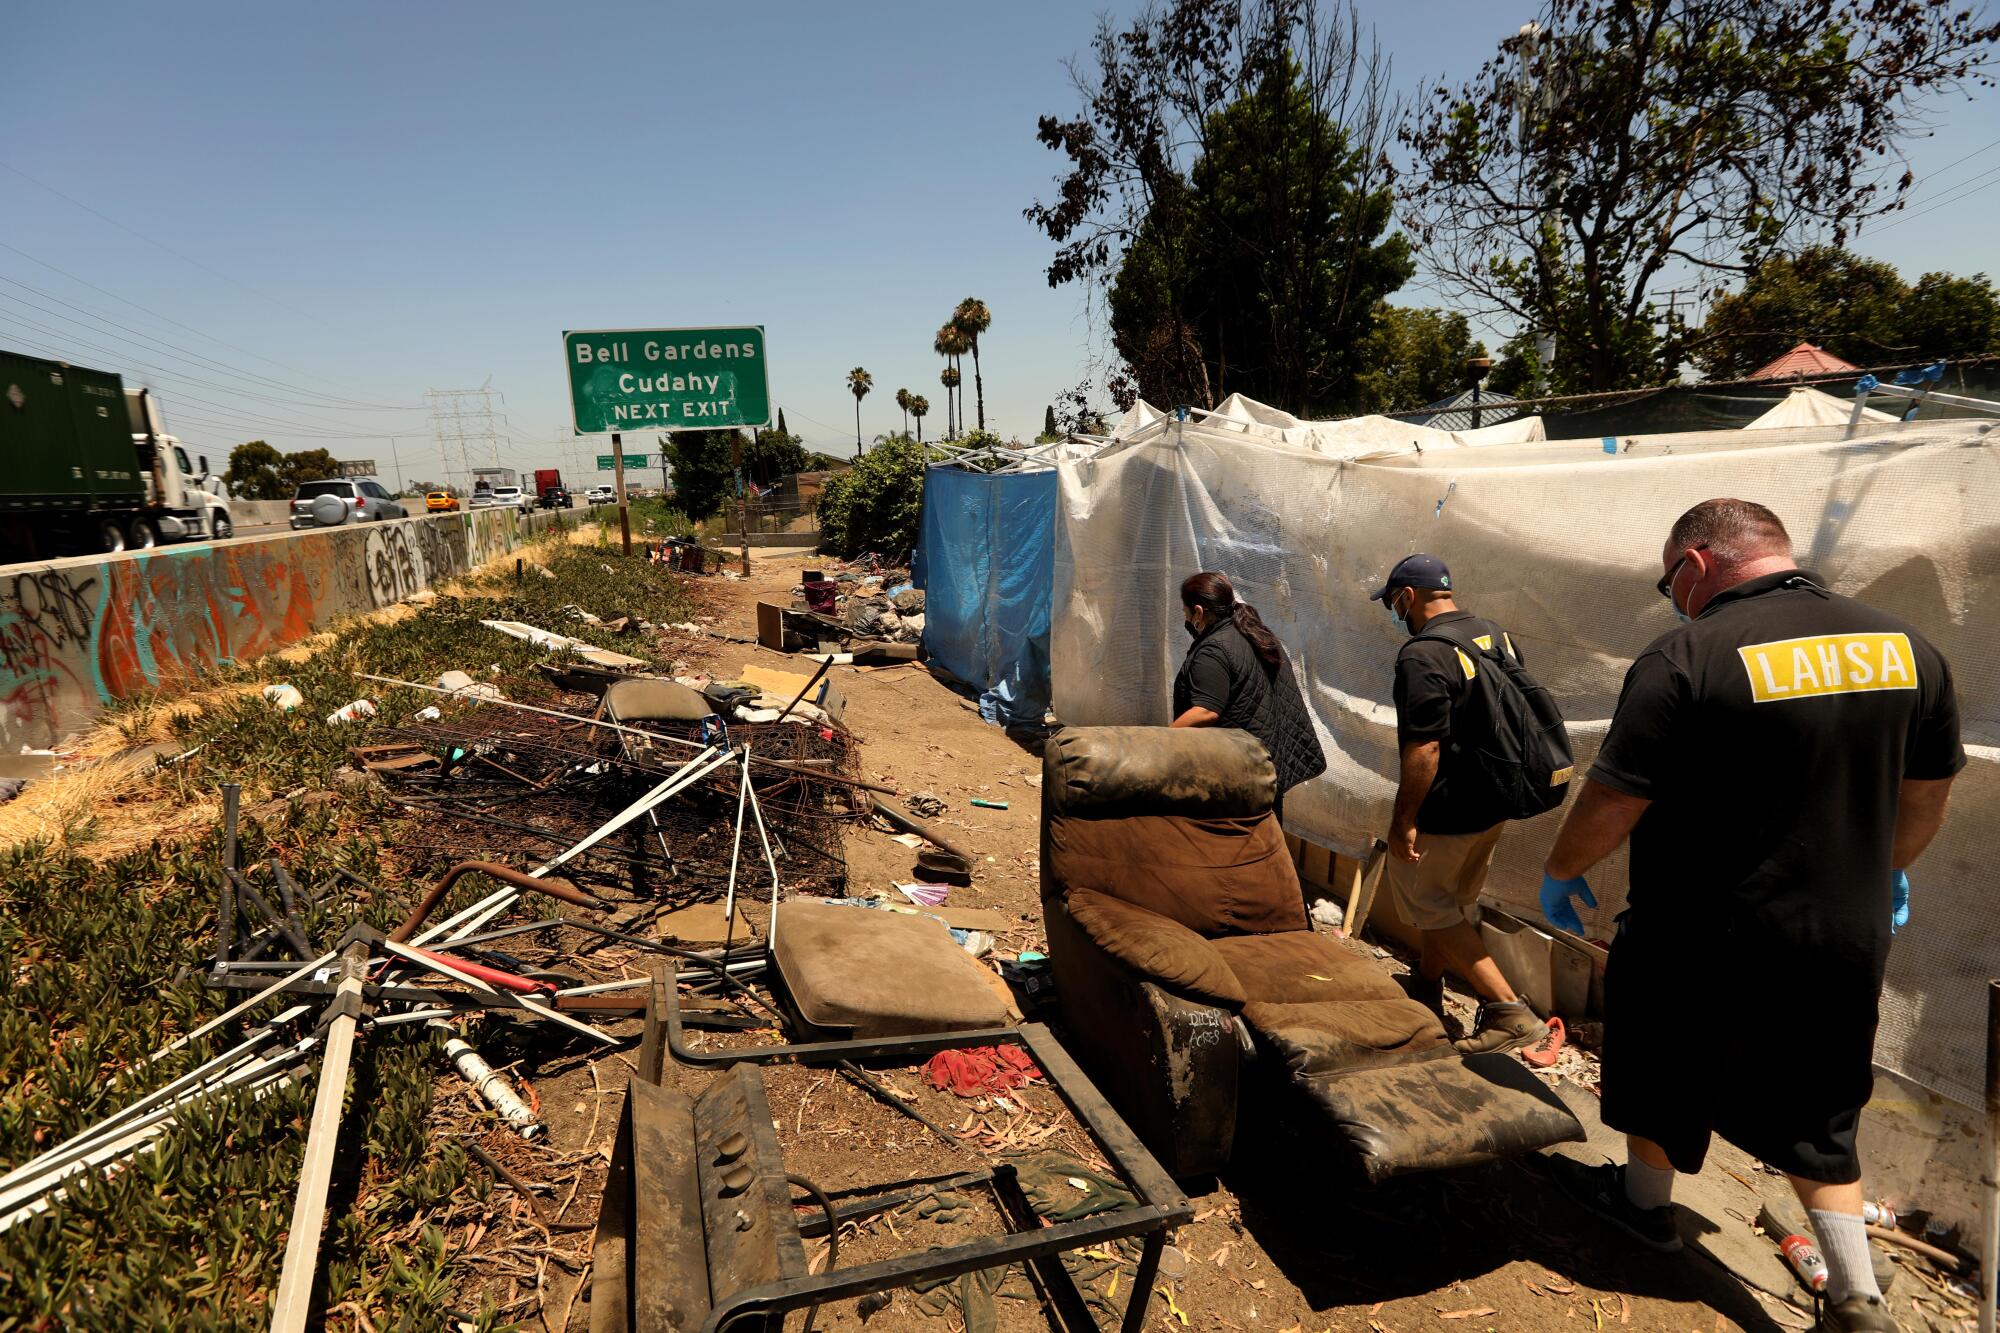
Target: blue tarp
{"points": [[986, 562]]}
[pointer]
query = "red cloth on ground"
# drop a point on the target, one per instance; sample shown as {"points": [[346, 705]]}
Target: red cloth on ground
{"points": [[977, 1071]]}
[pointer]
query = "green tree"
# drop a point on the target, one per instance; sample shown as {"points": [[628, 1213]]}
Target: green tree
{"points": [[903, 401], [306, 465], [920, 407], [972, 319], [874, 505], [254, 472], [1228, 192], [859, 382], [1618, 143], [1947, 316], [781, 422], [703, 467], [1263, 276], [1413, 356], [772, 455], [948, 377], [1848, 305], [1049, 433]]}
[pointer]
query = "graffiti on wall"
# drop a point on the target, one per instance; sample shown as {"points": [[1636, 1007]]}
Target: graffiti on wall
{"points": [[76, 636], [404, 557], [45, 617]]}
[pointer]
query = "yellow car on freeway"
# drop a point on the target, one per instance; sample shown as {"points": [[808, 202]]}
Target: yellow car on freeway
{"points": [[440, 502]]}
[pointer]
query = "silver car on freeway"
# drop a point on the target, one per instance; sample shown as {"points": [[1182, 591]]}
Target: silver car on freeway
{"points": [[338, 500]]}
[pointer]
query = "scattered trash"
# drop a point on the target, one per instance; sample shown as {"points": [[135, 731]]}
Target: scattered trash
{"points": [[1327, 914], [562, 642], [980, 1071], [924, 804], [1804, 1259], [284, 698], [924, 895], [1542, 1055], [428, 714], [487, 1082], [910, 840], [985, 804], [10, 788], [357, 711]]}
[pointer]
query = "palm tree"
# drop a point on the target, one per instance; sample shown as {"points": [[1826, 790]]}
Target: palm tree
{"points": [[972, 318], [859, 382], [951, 344], [903, 401], [949, 378], [919, 405]]}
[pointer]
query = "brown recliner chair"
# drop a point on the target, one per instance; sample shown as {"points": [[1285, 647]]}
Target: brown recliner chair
{"points": [[1191, 982]]}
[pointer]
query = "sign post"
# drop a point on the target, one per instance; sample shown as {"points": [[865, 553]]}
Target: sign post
{"points": [[668, 380], [618, 484]]}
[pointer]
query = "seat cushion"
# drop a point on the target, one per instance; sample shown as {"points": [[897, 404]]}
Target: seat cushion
{"points": [[1157, 948], [651, 699], [880, 974], [1299, 967], [1214, 876], [1353, 1034]]}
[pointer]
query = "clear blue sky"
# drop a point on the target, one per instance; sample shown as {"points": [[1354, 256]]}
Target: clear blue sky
{"points": [[380, 199]]}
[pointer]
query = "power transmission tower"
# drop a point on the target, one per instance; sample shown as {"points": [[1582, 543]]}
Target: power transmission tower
{"points": [[464, 423]]}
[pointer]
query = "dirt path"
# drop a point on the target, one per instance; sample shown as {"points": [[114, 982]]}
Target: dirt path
{"points": [[1274, 1245]]}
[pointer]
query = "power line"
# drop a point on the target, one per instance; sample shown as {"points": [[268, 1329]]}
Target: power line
{"points": [[189, 259], [145, 310], [333, 404], [1955, 198]]}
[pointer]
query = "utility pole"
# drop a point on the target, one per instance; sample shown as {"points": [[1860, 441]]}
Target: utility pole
{"points": [[618, 481]]}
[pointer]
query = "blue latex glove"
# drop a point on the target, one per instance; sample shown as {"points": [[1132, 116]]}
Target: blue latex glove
{"points": [[1556, 906], [1899, 902]]}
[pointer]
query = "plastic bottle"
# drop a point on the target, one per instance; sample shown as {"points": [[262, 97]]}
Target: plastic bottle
{"points": [[284, 698], [354, 712], [1805, 1260]]}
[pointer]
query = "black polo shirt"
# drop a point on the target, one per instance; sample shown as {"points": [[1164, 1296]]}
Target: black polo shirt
{"points": [[1771, 736], [1430, 694]]}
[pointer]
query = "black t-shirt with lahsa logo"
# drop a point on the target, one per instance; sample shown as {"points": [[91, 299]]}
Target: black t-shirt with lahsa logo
{"points": [[1772, 735], [1430, 694]]}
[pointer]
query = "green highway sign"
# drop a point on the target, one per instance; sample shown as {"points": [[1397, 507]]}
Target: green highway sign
{"points": [[604, 463], [667, 379]]}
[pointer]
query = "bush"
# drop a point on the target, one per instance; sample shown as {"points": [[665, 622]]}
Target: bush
{"points": [[874, 505]]}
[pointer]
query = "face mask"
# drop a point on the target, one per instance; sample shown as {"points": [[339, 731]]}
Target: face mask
{"points": [[1397, 616], [1188, 625]]}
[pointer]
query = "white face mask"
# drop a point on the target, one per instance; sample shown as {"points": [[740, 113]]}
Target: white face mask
{"points": [[1396, 615]]}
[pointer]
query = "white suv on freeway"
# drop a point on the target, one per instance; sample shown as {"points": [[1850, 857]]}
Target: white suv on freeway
{"points": [[504, 496]]}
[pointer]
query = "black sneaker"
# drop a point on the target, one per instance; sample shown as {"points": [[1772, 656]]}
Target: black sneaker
{"points": [[1858, 1314], [1601, 1189]]}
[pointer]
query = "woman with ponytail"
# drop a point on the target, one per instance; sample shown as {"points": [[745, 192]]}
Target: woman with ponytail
{"points": [[1236, 675]]}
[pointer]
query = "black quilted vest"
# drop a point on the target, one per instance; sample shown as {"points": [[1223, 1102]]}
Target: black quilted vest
{"points": [[1271, 709]]}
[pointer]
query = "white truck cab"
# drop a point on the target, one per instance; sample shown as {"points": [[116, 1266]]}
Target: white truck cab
{"points": [[185, 498]]}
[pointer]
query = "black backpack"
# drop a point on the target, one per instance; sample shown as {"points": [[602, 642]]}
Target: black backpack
{"points": [[1520, 764]]}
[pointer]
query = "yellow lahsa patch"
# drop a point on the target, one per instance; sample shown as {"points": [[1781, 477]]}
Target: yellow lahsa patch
{"points": [[1828, 664]]}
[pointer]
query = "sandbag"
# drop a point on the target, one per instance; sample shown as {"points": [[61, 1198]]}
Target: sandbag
{"points": [[1200, 772]]}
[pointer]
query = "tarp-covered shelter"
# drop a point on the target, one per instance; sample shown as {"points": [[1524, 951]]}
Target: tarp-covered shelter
{"points": [[1805, 406], [985, 560], [1559, 541]]}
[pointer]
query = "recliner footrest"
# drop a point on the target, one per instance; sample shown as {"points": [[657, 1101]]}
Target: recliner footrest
{"points": [[1435, 1114]]}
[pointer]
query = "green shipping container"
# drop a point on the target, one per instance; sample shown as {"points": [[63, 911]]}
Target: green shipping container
{"points": [[65, 438]]}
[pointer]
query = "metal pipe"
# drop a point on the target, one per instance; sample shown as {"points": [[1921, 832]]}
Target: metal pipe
{"points": [[493, 870], [488, 1082]]}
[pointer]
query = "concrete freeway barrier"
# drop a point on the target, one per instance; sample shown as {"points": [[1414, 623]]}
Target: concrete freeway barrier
{"points": [[77, 634]]}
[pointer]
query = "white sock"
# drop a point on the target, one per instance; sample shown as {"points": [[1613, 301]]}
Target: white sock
{"points": [[1843, 1240], [1648, 1187]]}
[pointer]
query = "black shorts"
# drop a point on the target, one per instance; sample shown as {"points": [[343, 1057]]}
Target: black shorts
{"points": [[1762, 1042]]}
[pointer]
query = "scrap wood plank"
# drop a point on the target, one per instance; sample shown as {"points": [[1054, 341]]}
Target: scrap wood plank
{"points": [[1361, 891]]}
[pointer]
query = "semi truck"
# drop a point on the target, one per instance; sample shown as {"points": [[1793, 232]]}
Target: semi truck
{"points": [[90, 465], [550, 493]]}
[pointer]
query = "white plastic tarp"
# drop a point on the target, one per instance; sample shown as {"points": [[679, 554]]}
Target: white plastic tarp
{"points": [[1559, 541], [1806, 406]]}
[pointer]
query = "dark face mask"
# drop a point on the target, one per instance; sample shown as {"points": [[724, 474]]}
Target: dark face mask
{"points": [[1188, 625]]}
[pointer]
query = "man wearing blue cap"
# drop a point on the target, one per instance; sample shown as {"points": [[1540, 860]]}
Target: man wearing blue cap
{"points": [[1444, 828]]}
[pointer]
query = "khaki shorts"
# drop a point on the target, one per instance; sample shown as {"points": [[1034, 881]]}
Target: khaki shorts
{"points": [[1442, 889]]}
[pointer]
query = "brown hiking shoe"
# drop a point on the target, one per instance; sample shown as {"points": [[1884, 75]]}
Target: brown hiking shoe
{"points": [[1858, 1314], [1503, 1026]]}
